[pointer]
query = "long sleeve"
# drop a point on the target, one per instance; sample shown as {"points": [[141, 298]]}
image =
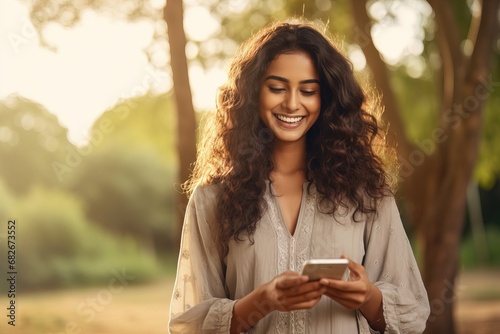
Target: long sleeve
{"points": [[200, 302], [390, 264]]}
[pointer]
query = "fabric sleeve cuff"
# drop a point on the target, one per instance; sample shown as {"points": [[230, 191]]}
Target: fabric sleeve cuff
{"points": [[221, 313]]}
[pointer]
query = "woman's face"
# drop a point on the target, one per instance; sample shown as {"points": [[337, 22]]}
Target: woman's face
{"points": [[289, 96]]}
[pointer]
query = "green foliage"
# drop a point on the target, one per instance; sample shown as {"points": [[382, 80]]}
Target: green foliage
{"points": [[419, 104], [468, 253], [6, 202], [124, 176], [463, 15], [145, 121], [488, 166], [133, 192], [57, 247], [122, 181], [31, 139], [128, 190]]}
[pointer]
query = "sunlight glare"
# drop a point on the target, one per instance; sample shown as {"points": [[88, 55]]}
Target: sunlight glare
{"points": [[204, 85], [378, 10], [400, 36], [97, 62], [199, 23], [415, 66], [323, 5], [191, 50], [467, 47], [210, 47], [158, 4], [357, 57]]}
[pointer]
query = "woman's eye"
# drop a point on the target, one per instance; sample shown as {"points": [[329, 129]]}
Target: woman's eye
{"points": [[308, 92], [276, 89]]}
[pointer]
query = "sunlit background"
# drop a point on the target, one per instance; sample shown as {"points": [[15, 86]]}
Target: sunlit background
{"points": [[102, 60], [88, 155]]}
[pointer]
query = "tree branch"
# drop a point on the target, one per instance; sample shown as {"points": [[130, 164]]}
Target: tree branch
{"points": [[474, 26], [476, 88], [464, 140], [448, 42], [487, 32], [396, 134]]}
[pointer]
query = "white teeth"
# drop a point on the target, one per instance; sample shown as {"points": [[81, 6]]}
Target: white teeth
{"points": [[289, 119]]}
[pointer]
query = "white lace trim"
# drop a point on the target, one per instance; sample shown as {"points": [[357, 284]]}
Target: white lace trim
{"points": [[292, 252]]}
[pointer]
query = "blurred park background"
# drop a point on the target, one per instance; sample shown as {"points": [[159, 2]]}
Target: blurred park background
{"points": [[100, 102]]}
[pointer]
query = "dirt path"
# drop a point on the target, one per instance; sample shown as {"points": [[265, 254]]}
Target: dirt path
{"points": [[144, 309], [478, 305]]}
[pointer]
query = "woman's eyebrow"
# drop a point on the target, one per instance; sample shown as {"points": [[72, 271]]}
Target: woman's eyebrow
{"points": [[275, 77]]}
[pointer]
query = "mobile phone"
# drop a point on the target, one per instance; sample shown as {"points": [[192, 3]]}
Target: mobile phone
{"points": [[316, 269]]}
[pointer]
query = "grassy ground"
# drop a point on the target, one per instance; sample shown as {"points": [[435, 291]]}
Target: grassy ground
{"points": [[144, 309], [134, 309]]}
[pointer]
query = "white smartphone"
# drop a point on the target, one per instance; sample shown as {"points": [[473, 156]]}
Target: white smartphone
{"points": [[316, 269]]}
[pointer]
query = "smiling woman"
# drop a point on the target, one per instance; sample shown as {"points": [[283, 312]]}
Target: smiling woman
{"points": [[289, 171]]}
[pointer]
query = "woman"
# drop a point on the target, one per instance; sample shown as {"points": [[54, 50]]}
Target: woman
{"points": [[288, 170]]}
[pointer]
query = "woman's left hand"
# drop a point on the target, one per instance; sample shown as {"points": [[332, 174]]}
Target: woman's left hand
{"points": [[358, 293], [355, 292]]}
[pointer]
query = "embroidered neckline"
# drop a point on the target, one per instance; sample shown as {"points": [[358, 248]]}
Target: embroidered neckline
{"points": [[292, 251]]}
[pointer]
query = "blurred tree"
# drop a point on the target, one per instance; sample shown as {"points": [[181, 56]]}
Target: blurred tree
{"points": [[61, 249], [123, 189], [31, 140], [143, 130], [147, 121], [186, 141], [6, 203], [68, 13], [436, 173]]}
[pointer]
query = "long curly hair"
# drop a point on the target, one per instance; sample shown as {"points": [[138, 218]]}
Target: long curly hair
{"points": [[344, 146]]}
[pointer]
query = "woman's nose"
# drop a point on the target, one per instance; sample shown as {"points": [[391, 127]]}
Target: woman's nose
{"points": [[292, 102]]}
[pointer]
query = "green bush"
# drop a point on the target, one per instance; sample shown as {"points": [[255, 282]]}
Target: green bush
{"points": [[6, 203], [34, 140], [468, 252], [57, 247], [128, 190]]}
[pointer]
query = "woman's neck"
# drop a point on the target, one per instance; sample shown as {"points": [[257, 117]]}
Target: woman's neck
{"points": [[289, 158]]}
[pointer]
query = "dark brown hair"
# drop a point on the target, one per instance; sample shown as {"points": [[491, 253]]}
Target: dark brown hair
{"points": [[342, 146]]}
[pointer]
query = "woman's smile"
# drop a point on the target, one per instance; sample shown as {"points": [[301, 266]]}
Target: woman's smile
{"points": [[290, 120]]}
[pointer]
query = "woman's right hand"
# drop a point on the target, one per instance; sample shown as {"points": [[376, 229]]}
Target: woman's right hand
{"points": [[286, 292], [291, 291]]}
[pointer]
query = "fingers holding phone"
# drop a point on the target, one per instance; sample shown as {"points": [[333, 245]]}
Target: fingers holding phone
{"points": [[317, 269], [351, 293], [292, 291]]}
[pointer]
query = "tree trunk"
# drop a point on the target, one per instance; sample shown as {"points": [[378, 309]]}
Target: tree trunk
{"points": [[186, 129], [442, 226], [435, 184]]}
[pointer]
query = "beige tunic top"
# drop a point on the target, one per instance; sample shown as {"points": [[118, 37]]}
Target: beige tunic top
{"points": [[207, 286]]}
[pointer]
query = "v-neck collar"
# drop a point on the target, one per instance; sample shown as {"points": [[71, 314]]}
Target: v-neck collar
{"points": [[279, 212], [275, 201]]}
